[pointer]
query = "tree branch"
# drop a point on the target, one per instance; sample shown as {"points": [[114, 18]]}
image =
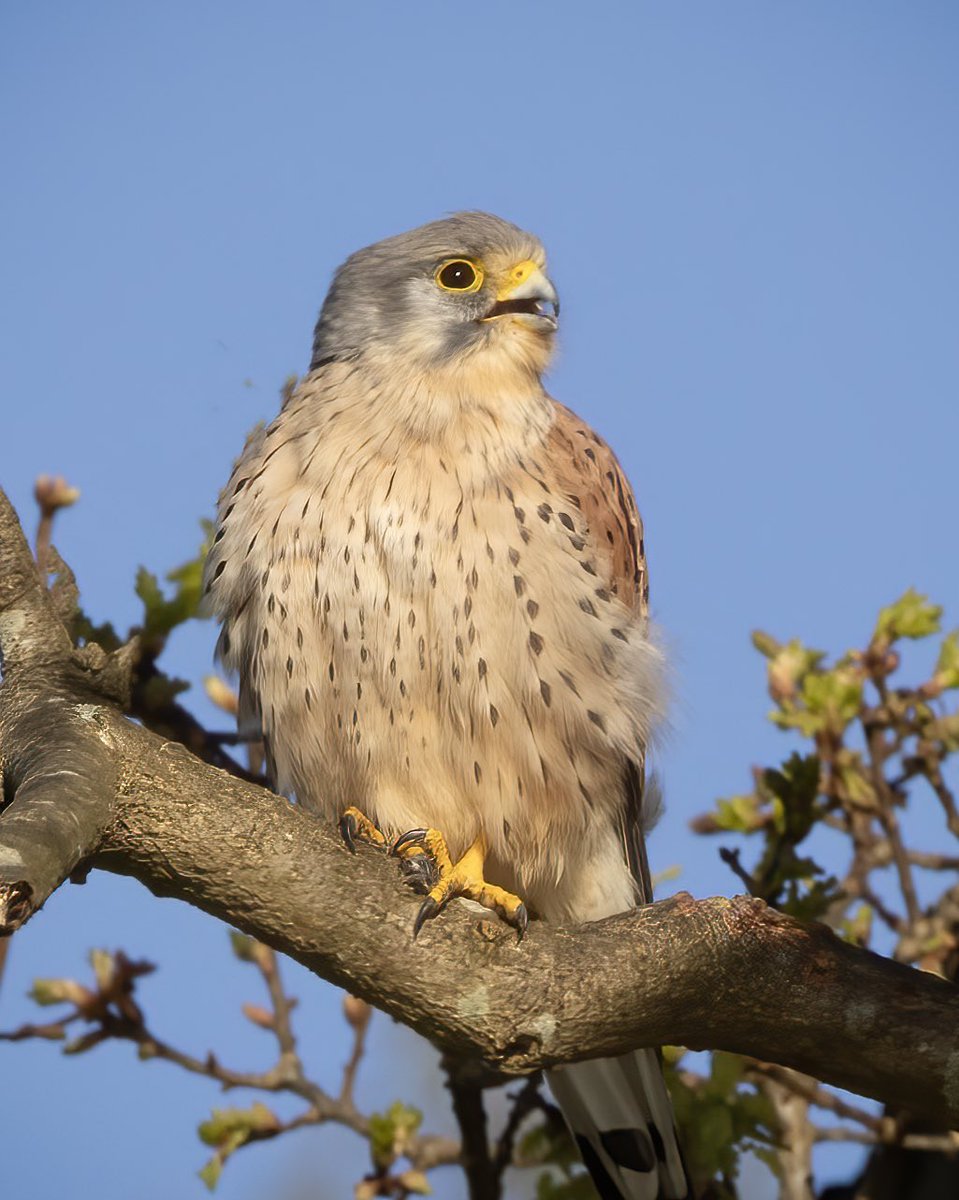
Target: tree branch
{"points": [[717, 973]]}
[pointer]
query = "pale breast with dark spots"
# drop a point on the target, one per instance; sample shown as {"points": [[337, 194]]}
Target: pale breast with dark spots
{"points": [[443, 647]]}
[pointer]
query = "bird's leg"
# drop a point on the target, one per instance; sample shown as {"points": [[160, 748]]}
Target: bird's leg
{"points": [[357, 825], [462, 878]]}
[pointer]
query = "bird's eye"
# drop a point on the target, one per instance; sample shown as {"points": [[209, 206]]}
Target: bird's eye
{"points": [[459, 275]]}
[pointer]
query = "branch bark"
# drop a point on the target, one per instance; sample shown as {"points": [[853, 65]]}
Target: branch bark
{"points": [[84, 784]]}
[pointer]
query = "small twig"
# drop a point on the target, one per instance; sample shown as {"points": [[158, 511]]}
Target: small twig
{"points": [[51, 494], [816, 1094], [358, 1014], [732, 860], [933, 862], [896, 923], [943, 1143], [879, 752], [525, 1101], [266, 962], [482, 1175]]}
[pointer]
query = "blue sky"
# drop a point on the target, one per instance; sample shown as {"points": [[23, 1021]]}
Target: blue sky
{"points": [[750, 210]]}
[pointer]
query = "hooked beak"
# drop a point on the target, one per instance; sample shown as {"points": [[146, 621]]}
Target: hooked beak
{"points": [[528, 297]]}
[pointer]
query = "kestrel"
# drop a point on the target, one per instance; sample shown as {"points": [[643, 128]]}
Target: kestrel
{"points": [[432, 584]]}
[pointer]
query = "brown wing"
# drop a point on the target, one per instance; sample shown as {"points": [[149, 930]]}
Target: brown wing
{"points": [[590, 475], [587, 470]]}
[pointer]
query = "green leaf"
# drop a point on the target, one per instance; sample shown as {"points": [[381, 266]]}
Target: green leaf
{"points": [[210, 1174], [382, 1137], [739, 814], [835, 696], [104, 968], [160, 614], [725, 1074], [406, 1119], [390, 1132], [231, 1127], [789, 667], [911, 616], [947, 665], [765, 643], [795, 785], [59, 991]]}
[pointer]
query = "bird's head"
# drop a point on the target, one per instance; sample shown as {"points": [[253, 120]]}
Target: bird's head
{"points": [[470, 290]]}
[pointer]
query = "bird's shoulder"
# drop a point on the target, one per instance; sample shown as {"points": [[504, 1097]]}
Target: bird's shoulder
{"points": [[584, 468]]}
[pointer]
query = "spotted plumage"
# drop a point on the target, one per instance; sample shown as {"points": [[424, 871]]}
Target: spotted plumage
{"points": [[432, 583]]}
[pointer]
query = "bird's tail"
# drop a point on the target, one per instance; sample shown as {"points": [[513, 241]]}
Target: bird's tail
{"points": [[620, 1114]]}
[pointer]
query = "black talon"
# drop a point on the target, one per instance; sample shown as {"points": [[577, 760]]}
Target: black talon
{"points": [[428, 910], [411, 835], [348, 828], [521, 921]]}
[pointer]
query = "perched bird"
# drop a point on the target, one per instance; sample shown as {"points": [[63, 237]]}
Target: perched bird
{"points": [[432, 583]]}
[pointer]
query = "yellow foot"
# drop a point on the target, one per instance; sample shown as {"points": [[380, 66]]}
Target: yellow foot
{"points": [[357, 825], [427, 859]]}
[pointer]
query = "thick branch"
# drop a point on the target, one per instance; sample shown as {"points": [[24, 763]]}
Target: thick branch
{"points": [[724, 974], [62, 785]]}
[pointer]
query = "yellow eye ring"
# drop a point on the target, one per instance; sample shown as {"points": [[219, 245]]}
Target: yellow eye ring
{"points": [[459, 275]]}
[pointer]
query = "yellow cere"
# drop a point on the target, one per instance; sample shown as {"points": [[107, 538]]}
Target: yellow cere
{"points": [[516, 276]]}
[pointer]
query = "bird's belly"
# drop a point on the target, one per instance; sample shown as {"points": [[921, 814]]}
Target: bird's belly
{"points": [[461, 676]]}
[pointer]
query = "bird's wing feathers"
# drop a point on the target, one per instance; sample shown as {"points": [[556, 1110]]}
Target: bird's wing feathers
{"points": [[587, 470], [618, 1109], [589, 473]]}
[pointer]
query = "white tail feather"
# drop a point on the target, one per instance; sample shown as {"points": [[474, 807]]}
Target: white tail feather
{"points": [[620, 1114]]}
